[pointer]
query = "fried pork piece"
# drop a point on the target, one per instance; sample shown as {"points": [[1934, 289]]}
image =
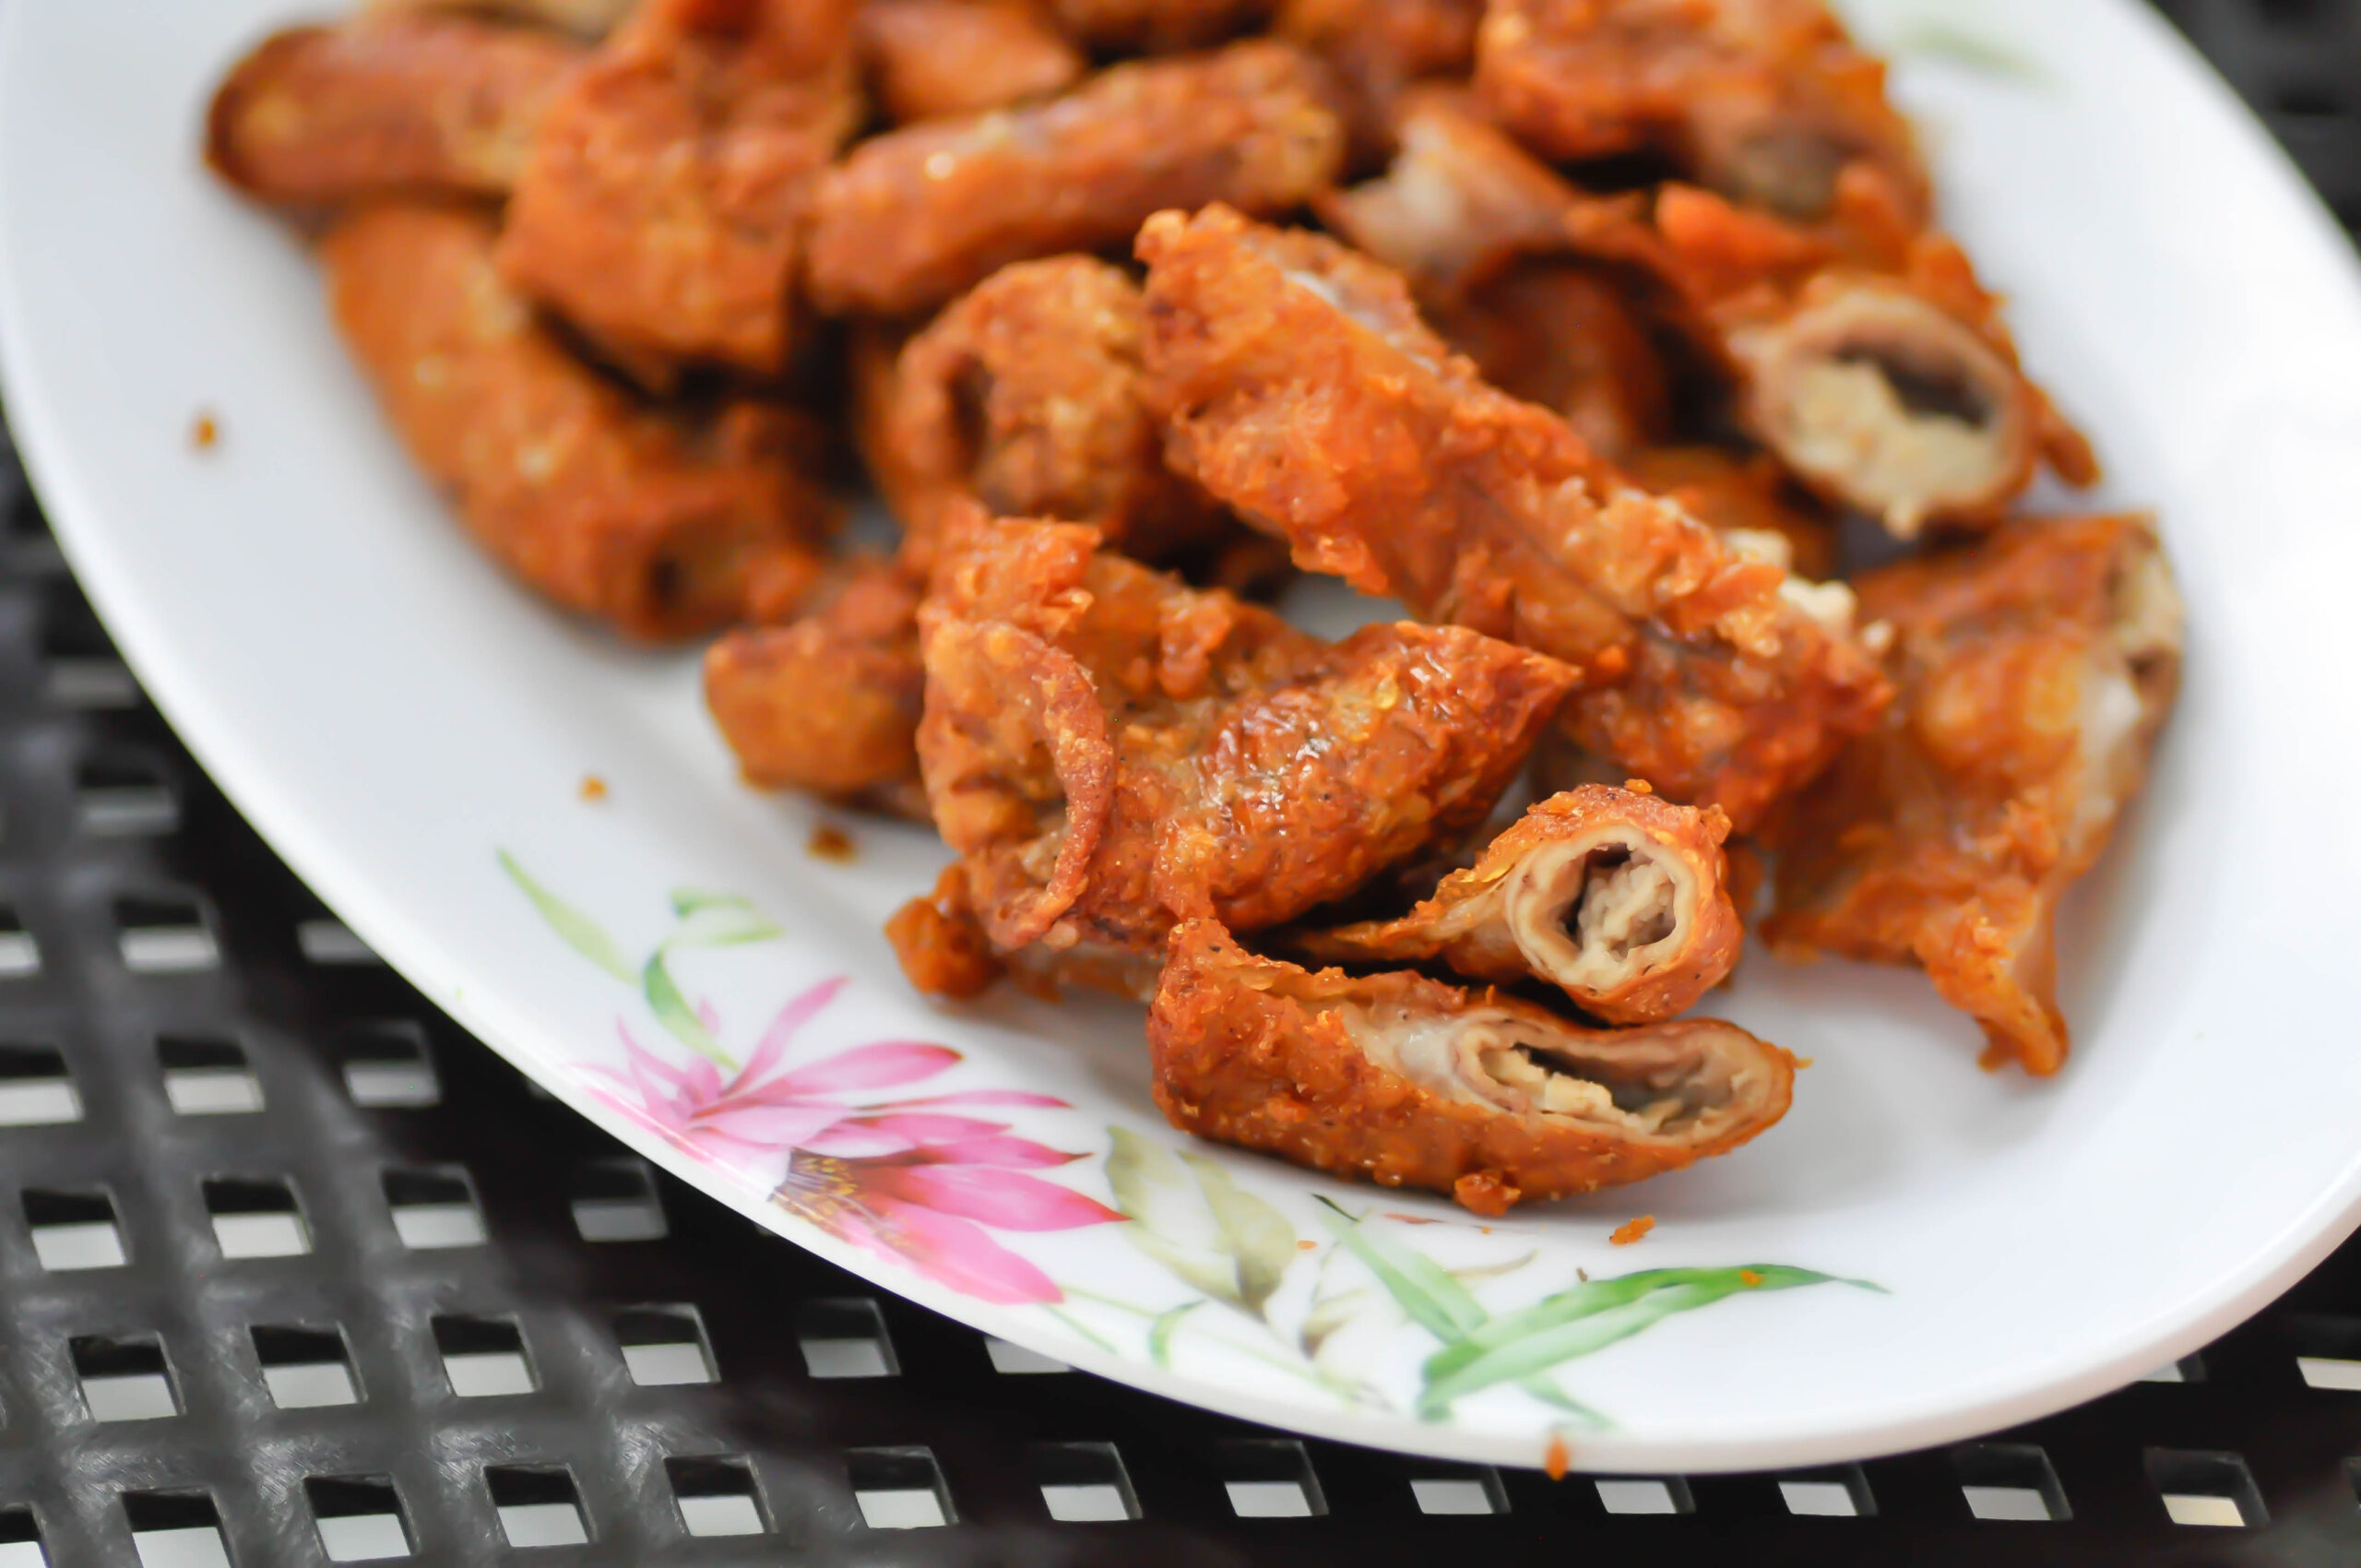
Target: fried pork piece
{"points": [[913, 217], [1156, 26], [1024, 395], [1304, 392], [1111, 752], [1748, 497], [1378, 48], [1764, 100], [2036, 670], [830, 702], [1566, 337], [659, 523], [930, 58], [1614, 897], [1404, 1081], [661, 210], [318, 117], [584, 18]]}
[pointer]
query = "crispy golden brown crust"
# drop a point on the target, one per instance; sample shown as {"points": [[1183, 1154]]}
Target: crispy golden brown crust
{"points": [[591, 20], [829, 704], [2036, 670], [1304, 393], [1566, 337], [1378, 48], [943, 949], [1365, 1078], [319, 116], [1156, 26], [1617, 897], [661, 209], [910, 219], [661, 524], [927, 59], [1745, 493], [1111, 752]]}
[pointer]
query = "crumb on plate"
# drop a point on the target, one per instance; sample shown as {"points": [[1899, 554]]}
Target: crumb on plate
{"points": [[1631, 1230], [829, 842], [593, 787]]}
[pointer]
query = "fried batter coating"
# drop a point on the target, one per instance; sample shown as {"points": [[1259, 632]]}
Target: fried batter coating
{"points": [[910, 219], [1304, 392], [661, 209], [932, 58], [2036, 670], [1614, 897], [1566, 337], [1404, 1081], [660, 524], [1745, 495], [830, 702], [318, 117], [1111, 752], [1378, 48], [591, 20], [1024, 395], [1764, 100], [1156, 26]]}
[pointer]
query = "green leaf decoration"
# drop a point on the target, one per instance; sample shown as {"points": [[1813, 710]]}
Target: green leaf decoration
{"points": [[1435, 1300], [1944, 41], [718, 920], [672, 1011], [579, 930], [1188, 1215], [1159, 1333]]}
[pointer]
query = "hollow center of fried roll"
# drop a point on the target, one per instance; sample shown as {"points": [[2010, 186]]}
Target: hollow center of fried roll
{"points": [[1597, 915]]}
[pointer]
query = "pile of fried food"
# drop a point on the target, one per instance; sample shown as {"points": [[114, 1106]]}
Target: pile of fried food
{"points": [[1577, 327]]}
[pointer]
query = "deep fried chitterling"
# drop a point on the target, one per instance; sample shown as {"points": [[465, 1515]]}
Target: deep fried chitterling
{"points": [[2035, 669], [1568, 338], [1156, 26], [657, 522], [1378, 48], [1303, 391], [1765, 100], [910, 219], [584, 18], [1024, 395], [1111, 752], [661, 209], [930, 58], [1745, 495], [1614, 897], [317, 116], [830, 702], [1405, 1081]]}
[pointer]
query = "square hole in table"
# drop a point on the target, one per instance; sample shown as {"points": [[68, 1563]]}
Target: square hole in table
{"points": [[845, 1338], [717, 1495], [304, 1368], [206, 1076], [20, 1544], [664, 1346], [387, 1065], [2206, 1487], [165, 934], [329, 942], [434, 1207], [2012, 1482], [35, 1089], [175, 1529], [255, 1218], [483, 1358], [1083, 1483], [124, 1379], [1644, 1494], [1016, 1361], [1457, 1489], [615, 1200], [73, 1231], [118, 795], [538, 1505], [1839, 1493], [1269, 1478], [20, 952], [898, 1489], [360, 1517], [2189, 1368]]}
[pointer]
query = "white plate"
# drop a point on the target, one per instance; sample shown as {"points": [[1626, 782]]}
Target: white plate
{"points": [[394, 718]]}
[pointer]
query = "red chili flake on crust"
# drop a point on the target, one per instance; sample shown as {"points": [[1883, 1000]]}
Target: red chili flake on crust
{"points": [[594, 788], [829, 842], [1631, 1230]]}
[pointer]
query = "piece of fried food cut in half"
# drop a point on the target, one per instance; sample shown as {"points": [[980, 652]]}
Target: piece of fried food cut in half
{"points": [[2035, 669], [1303, 391], [661, 209], [829, 703], [384, 106], [910, 219], [927, 59], [1617, 897], [1405, 1081], [1111, 752], [661, 521]]}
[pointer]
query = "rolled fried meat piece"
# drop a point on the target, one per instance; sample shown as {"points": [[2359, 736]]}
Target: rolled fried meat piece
{"points": [[2036, 670], [1111, 752], [1614, 896], [913, 217], [659, 521], [591, 20], [1764, 100], [320, 116], [1304, 392], [830, 702], [1405, 1081], [662, 206], [927, 59]]}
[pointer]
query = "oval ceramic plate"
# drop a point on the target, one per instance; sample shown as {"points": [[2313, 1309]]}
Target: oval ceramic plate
{"points": [[1921, 1252]]}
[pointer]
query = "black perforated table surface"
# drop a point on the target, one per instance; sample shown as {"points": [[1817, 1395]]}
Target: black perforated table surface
{"points": [[294, 1272]]}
